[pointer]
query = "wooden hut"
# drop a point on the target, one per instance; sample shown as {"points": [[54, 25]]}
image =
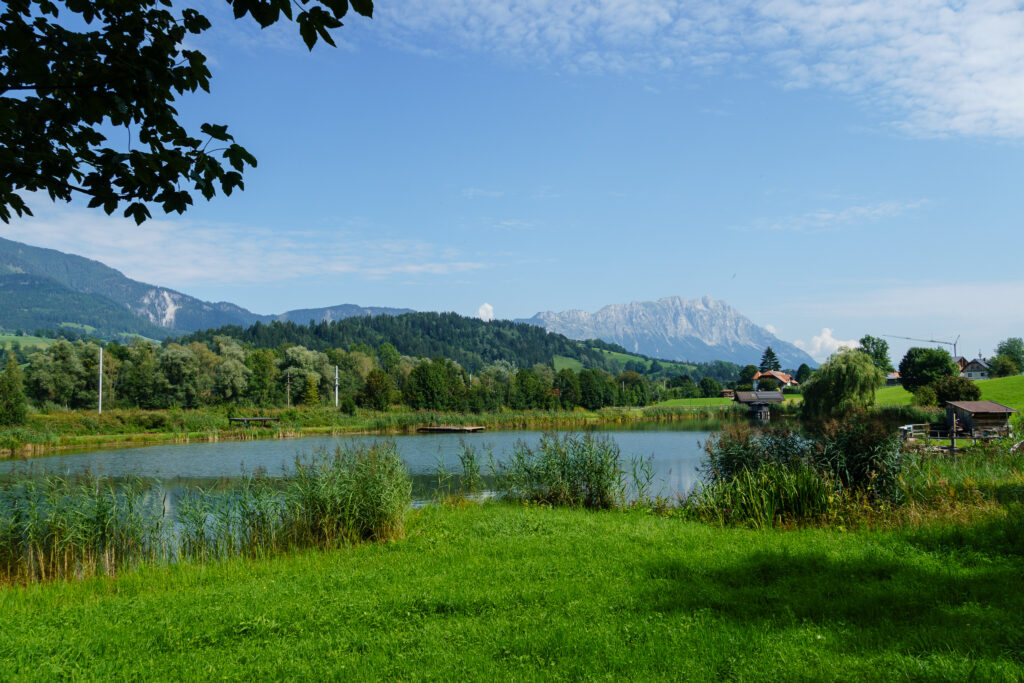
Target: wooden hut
{"points": [[759, 402], [979, 419]]}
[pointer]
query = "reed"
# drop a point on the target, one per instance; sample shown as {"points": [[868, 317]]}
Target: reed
{"points": [[571, 469], [60, 527]]}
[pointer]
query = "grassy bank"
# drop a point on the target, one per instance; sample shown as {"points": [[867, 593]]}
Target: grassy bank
{"points": [[78, 429], [508, 592], [1006, 390]]}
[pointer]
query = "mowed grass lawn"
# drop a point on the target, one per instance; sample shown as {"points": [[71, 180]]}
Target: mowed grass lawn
{"points": [[1006, 390], [501, 592]]}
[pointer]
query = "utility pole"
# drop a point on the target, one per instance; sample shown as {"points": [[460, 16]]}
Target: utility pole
{"points": [[335, 386], [288, 388], [100, 411]]}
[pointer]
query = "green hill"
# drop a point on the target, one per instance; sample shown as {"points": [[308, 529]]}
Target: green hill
{"points": [[470, 342], [1006, 390], [30, 302]]}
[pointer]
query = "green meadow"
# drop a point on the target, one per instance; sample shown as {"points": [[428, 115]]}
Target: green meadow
{"points": [[26, 341], [503, 592], [1006, 390]]}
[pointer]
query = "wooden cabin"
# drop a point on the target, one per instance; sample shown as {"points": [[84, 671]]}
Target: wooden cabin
{"points": [[979, 419], [759, 402]]}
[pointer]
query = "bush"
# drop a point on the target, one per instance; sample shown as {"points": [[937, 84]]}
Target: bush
{"points": [[794, 475], [925, 396], [955, 389], [348, 406], [571, 470]]}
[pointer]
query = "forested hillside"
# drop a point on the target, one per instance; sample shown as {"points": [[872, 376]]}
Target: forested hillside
{"points": [[470, 342], [28, 302]]}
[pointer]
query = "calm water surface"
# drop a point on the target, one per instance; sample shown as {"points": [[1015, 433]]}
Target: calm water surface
{"points": [[674, 455]]}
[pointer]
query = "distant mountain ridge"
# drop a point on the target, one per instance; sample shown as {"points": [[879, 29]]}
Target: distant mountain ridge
{"points": [[159, 307], [676, 328]]}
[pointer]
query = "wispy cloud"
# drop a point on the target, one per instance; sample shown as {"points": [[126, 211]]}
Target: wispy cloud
{"points": [[824, 220], [478, 193], [934, 67], [183, 252]]}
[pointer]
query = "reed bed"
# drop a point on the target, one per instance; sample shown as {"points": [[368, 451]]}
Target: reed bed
{"points": [[569, 470], [59, 527], [782, 476]]}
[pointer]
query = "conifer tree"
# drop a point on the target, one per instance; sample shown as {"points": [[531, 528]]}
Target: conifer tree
{"points": [[769, 361], [13, 407]]}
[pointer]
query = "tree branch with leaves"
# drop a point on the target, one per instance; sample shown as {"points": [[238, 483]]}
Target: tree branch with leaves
{"points": [[70, 70]]}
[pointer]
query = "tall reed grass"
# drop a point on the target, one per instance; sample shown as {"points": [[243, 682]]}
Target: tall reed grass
{"points": [[782, 475], [571, 469], [61, 527]]}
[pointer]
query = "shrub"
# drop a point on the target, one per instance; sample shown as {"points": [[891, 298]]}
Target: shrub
{"points": [[572, 470], [862, 454], [925, 396], [348, 406], [791, 475], [955, 389]]}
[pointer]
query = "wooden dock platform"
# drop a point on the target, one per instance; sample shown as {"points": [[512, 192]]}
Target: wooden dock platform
{"points": [[257, 420], [442, 429]]}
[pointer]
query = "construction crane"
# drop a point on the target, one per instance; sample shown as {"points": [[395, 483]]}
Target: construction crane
{"points": [[933, 341]]}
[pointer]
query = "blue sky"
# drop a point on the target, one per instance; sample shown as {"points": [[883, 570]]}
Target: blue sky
{"points": [[828, 168]]}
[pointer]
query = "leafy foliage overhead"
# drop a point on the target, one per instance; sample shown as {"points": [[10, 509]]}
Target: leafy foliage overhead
{"points": [[70, 69]]}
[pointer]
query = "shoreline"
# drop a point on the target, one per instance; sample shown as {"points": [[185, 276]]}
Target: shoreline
{"points": [[383, 424]]}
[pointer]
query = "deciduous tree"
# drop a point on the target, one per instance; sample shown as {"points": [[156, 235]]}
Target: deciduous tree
{"points": [[13, 406], [1012, 348], [847, 381], [878, 349], [921, 366], [70, 69]]}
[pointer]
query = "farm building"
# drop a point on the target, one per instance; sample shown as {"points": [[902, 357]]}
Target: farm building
{"points": [[782, 378], [759, 402], [975, 369], [979, 419]]}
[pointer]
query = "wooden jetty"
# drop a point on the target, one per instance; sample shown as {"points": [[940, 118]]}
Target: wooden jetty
{"points": [[443, 429], [256, 420]]}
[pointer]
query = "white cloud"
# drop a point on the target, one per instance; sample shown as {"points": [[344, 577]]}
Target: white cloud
{"points": [[478, 193], [181, 253], [825, 344], [485, 312], [934, 67], [771, 328], [823, 220]]}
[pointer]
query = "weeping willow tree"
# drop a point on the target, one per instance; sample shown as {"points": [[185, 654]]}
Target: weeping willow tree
{"points": [[847, 381]]}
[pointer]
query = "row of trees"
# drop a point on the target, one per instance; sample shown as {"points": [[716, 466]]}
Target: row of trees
{"points": [[66, 375], [848, 380]]}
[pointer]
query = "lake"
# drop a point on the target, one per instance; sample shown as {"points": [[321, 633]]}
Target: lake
{"points": [[673, 453]]}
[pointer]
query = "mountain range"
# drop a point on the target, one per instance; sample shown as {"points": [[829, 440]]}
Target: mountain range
{"points": [[48, 289], [80, 291], [675, 328]]}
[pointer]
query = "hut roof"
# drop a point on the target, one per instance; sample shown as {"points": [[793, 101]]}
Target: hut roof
{"points": [[975, 407], [759, 396]]}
